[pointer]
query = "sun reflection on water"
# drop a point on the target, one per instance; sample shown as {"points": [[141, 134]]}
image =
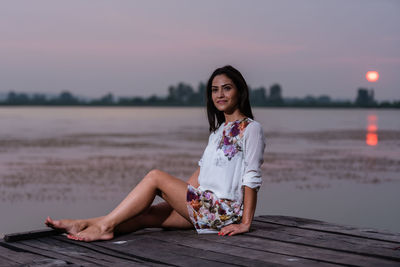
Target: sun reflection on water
{"points": [[371, 138]]}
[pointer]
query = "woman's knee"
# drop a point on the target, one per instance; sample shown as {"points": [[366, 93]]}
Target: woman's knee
{"points": [[154, 175]]}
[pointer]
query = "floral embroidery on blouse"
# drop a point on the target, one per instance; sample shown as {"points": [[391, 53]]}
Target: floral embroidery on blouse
{"points": [[231, 136]]}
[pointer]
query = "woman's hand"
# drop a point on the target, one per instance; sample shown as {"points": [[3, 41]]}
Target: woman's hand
{"points": [[250, 202], [234, 229]]}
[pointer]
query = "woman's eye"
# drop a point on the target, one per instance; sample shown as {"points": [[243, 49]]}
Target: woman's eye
{"points": [[227, 88], [214, 90]]}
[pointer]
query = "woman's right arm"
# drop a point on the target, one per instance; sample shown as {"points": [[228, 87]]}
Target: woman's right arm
{"points": [[193, 180]]}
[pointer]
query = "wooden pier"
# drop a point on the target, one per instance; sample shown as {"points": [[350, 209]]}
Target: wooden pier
{"points": [[272, 241]]}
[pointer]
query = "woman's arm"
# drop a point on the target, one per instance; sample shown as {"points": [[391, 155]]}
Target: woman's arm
{"points": [[193, 180], [251, 180], [249, 207]]}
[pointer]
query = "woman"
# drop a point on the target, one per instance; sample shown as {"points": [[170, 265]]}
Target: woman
{"points": [[221, 194]]}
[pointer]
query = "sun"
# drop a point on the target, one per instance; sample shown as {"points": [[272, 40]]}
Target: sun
{"points": [[372, 76]]}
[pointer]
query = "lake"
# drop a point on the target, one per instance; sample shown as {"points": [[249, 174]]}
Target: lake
{"points": [[336, 165]]}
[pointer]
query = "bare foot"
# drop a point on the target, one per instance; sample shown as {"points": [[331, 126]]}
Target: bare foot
{"points": [[69, 226], [95, 231]]}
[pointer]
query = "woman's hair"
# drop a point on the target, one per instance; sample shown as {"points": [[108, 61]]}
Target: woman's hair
{"points": [[216, 117]]}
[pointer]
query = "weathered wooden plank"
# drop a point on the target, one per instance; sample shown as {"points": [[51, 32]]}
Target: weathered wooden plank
{"points": [[11, 256], [38, 263], [76, 249], [30, 235], [237, 249], [7, 262], [168, 253], [174, 237], [105, 251], [330, 227], [350, 244], [31, 246], [271, 251]]}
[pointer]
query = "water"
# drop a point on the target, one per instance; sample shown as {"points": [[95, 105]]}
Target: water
{"points": [[337, 165]]}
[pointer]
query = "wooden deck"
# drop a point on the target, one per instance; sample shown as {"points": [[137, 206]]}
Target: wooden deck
{"points": [[273, 241]]}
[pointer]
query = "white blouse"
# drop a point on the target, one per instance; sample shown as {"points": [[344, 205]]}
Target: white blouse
{"points": [[233, 159]]}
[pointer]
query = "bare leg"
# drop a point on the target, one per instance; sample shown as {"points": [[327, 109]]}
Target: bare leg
{"points": [[172, 189], [161, 215]]}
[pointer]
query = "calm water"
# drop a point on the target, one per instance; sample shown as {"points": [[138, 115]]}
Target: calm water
{"points": [[338, 165]]}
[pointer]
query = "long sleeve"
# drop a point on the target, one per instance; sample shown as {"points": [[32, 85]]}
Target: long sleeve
{"points": [[253, 155], [200, 162]]}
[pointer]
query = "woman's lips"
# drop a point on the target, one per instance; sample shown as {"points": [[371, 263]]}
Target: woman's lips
{"points": [[221, 101]]}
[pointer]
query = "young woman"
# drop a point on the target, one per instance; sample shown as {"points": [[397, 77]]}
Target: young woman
{"points": [[221, 194]]}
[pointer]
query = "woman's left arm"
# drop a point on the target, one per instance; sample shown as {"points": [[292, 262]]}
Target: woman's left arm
{"points": [[249, 207], [251, 180]]}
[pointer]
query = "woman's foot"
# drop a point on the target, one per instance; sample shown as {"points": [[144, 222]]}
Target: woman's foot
{"points": [[96, 231], [70, 226]]}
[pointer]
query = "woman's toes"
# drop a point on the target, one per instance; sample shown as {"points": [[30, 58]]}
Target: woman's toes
{"points": [[74, 237], [48, 221]]}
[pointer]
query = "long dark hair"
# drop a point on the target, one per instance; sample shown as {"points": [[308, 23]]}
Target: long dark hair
{"points": [[216, 117]]}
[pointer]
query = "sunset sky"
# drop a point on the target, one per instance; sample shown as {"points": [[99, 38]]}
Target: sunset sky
{"points": [[139, 48]]}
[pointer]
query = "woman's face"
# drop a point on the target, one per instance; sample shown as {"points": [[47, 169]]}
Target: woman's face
{"points": [[224, 94]]}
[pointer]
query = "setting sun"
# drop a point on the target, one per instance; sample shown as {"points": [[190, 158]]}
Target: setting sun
{"points": [[372, 76]]}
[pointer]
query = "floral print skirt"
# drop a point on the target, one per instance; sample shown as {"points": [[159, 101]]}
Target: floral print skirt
{"points": [[210, 213]]}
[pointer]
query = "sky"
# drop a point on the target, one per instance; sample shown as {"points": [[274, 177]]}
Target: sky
{"points": [[139, 48]]}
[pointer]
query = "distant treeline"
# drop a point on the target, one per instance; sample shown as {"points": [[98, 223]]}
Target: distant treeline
{"points": [[184, 95]]}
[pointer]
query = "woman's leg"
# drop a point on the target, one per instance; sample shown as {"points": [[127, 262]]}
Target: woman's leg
{"points": [[161, 215], [172, 189]]}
